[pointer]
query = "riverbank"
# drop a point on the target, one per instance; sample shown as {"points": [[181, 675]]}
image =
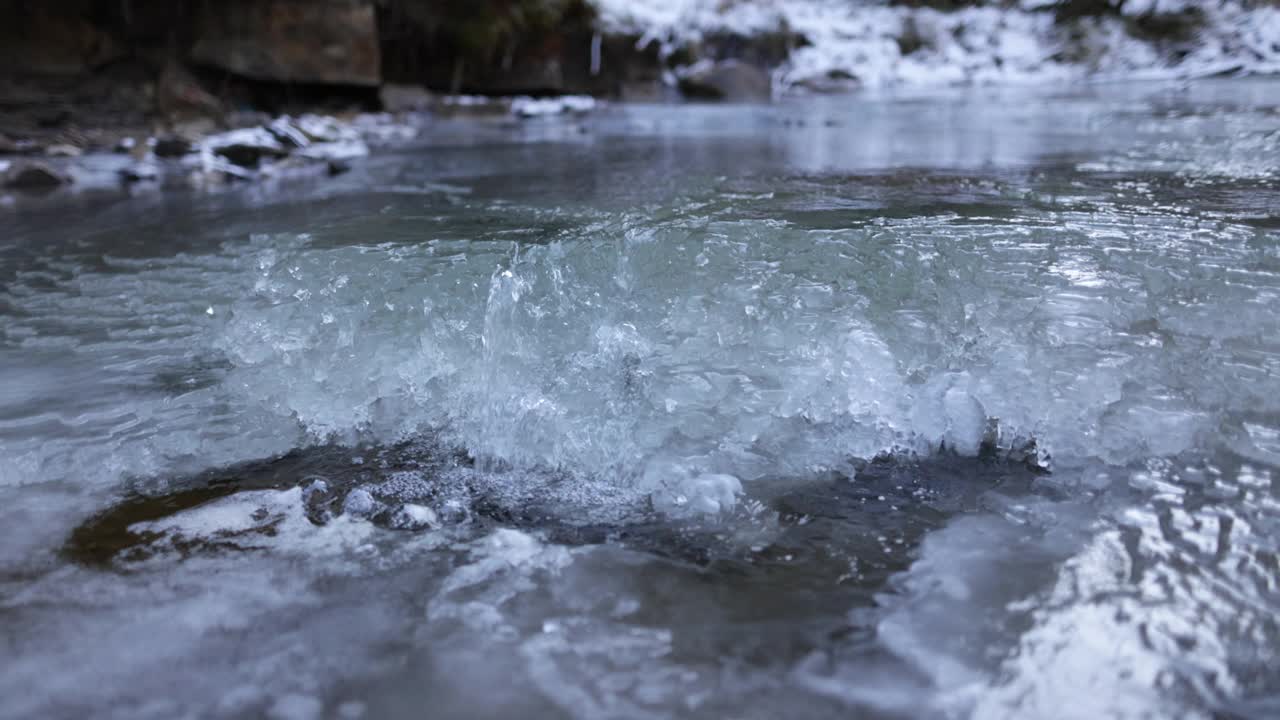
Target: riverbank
{"points": [[106, 100], [257, 147]]}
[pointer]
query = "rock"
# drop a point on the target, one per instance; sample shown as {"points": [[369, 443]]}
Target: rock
{"points": [[194, 129], [405, 98], [341, 150], [360, 503], [323, 128], [246, 147], [47, 38], [125, 145], [171, 146], [413, 517], [245, 118], [315, 489], [210, 170], [139, 172], [63, 150], [287, 133], [382, 129], [294, 167], [35, 176], [322, 41], [180, 95], [533, 107], [338, 167], [731, 81], [52, 117]]}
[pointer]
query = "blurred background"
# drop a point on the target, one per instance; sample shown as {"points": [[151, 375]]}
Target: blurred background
{"points": [[74, 69]]}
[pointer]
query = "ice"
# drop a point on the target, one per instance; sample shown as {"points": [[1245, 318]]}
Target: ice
{"points": [[255, 519], [966, 421], [295, 707], [678, 490], [253, 137], [535, 107], [359, 503], [413, 517], [338, 150]]}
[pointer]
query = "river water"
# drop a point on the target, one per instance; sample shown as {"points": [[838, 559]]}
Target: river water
{"points": [[907, 406]]}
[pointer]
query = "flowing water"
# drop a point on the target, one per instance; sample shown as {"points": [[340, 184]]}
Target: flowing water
{"points": [[956, 405]]}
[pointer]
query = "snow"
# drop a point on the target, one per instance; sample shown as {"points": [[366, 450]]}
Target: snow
{"points": [[255, 137], [537, 107], [874, 46]]}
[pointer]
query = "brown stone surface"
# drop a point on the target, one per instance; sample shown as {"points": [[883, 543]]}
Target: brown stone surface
{"points": [[296, 41], [180, 96], [49, 39]]}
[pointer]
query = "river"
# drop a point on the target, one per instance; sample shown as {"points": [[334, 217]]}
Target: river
{"points": [[920, 405]]}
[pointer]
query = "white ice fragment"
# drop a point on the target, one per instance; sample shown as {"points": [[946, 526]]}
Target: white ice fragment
{"points": [[255, 137], [511, 544], [284, 129], [414, 517], [680, 492], [315, 487], [535, 107], [966, 421], [359, 503], [336, 150]]}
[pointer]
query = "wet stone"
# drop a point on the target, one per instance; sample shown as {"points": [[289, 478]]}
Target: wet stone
{"points": [[139, 172], [35, 176], [172, 146], [730, 81]]}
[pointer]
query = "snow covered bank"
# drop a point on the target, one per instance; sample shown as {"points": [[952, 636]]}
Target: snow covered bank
{"points": [[842, 44]]}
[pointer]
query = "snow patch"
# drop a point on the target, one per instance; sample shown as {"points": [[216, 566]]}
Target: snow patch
{"points": [[874, 46]]}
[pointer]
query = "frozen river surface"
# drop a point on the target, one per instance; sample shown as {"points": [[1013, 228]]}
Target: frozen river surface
{"points": [[948, 406]]}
